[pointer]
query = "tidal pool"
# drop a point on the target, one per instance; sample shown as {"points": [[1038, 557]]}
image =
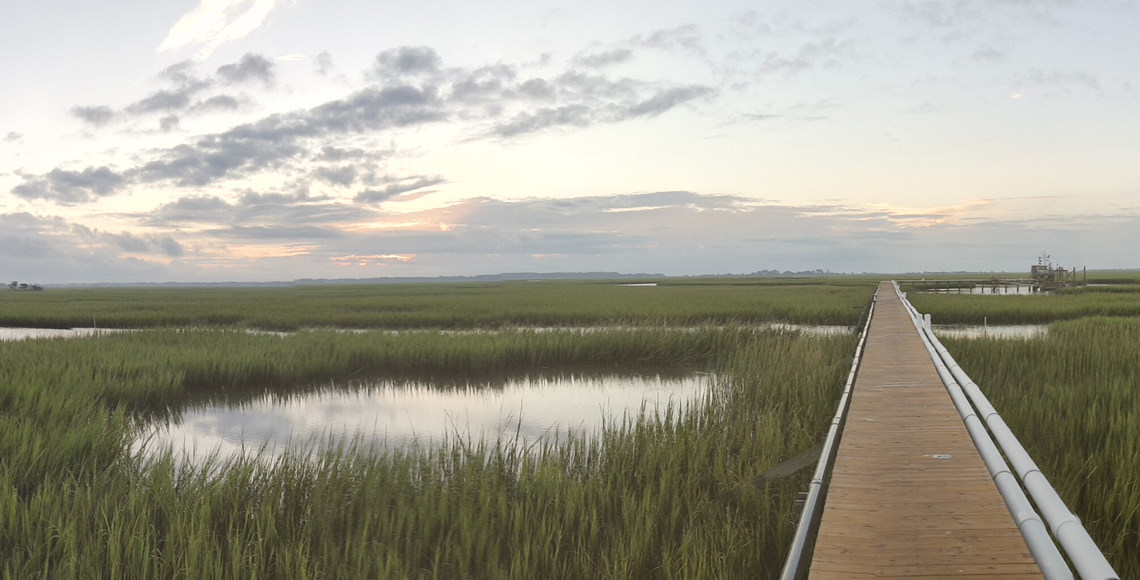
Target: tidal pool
{"points": [[990, 331], [1011, 289], [13, 334], [399, 414]]}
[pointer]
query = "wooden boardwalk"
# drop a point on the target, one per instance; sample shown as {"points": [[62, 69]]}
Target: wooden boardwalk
{"points": [[909, 496]]}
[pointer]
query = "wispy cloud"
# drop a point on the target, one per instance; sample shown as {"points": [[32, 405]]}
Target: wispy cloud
{"points": [[216, 22]]}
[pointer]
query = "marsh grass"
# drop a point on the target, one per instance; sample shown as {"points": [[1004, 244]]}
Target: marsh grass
{"points": [[1069, 304], [671, 497], [1073, 399], [676, 302]]}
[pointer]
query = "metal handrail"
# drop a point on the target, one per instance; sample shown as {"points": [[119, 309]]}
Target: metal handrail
{"points": [[1065, 526], [809, 517]]}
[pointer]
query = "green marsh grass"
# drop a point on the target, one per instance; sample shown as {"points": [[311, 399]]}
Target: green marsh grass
{"points": [[677, 497], [683, 302], [1073, 399], [1069, 304]]}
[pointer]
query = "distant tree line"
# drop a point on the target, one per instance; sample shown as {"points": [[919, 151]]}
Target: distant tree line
{"points": [[16, 285]]}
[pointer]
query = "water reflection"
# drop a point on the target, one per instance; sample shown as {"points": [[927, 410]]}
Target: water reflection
{"points": [[990, 331], [14, 334], [400, 414], [1022, 290]]}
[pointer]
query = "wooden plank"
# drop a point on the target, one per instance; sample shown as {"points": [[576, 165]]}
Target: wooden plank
{"points": [[909, 496]]}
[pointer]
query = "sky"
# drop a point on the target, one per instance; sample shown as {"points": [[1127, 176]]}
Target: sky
{"points": [[273, 140]]}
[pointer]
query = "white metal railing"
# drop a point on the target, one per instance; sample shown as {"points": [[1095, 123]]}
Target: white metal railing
{"points": [[809, 517], [1074, 540]]}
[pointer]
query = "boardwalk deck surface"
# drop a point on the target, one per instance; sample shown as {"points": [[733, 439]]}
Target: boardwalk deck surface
{"points": [[909, 496]]}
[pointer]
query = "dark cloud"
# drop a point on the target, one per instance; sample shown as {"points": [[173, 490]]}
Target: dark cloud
{"points": [[545, 118], [53, 250], [251, 67], [169, 123], [283, 233], [406, 61], [336, 154], [417, 90], [344, 175], [181, 73], [538, 89], [398, 188], [667, 99], [237, 152], [188, 90], [96, 115], [132, 243], [276, 139], [71, 187], [373, 109], [169, 246], [219, 103], [491, 83], [602, 102], [164, 101], [261, 212]]}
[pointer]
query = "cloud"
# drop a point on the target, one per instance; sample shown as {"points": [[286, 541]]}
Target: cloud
{"points": [[323, 64], [251, 67], [809, 56], [598, 100], [605, 58], [344, 175], [163, 101], [416, 90], [71, 187], [169, 123], [219, 103], [13, 137], [397, 188], [274, 140], [285, 235], [128, 242], [185, 95], [254, 212], [97, 116], [667, 99], [685, 37], [53, 250], [405, 61], [942, 15], [216, 22]]}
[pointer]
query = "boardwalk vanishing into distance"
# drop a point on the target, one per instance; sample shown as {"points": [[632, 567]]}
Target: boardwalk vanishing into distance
{"points": [[908, 493]]}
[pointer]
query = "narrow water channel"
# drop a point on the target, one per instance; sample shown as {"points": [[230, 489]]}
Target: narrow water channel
{"points": [[399, 414]]}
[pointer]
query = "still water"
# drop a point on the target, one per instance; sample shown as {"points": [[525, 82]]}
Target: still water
{"points": [[990, 331], [12, 334], [399, 414], [1012, 290]]}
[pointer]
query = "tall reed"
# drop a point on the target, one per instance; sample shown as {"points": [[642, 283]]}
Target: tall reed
{"points": [[1073, 398], [675, 497]]}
